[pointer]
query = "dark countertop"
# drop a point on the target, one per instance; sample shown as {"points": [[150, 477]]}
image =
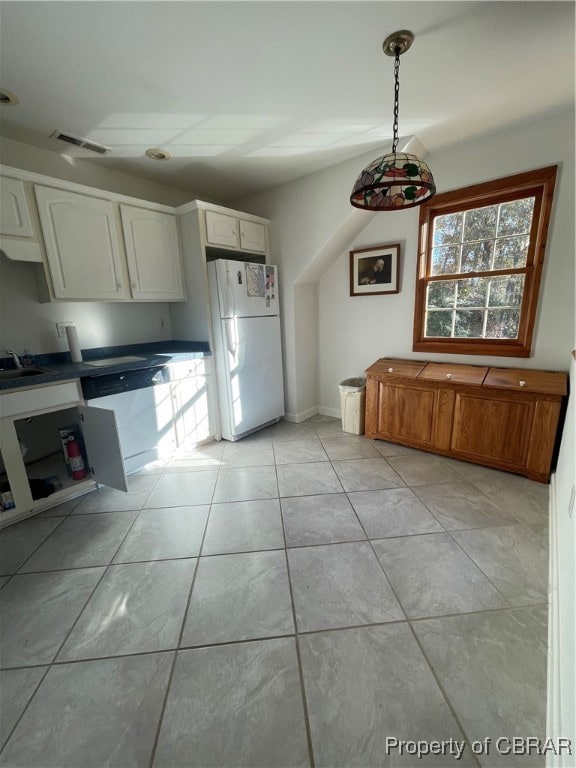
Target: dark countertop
{"points": [[59, 368]]}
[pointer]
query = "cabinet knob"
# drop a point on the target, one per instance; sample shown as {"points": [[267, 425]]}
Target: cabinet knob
{"points": [[448, 375], [522, 383], [390, 370]]}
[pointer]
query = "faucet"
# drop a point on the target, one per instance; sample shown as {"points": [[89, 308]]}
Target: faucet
{"points": [[15, 357]]}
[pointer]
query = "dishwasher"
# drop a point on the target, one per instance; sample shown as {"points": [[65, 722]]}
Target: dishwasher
{"points": [[141, 400]]}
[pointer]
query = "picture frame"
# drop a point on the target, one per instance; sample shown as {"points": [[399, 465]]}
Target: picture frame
{"points": [[375, 271]]}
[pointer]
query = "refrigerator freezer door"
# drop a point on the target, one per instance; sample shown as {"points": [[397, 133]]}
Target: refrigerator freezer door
{"points": [[249, 367], [245, 289]]}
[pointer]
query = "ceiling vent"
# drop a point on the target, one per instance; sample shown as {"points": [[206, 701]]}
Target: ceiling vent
{"points": [[100, 149]]}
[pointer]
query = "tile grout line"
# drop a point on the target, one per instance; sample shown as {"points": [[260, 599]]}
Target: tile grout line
{"points": [[307, 725], [51, 663], [23, 563], [445, 696], [441, 689], [469, 556], [303, 633], [181, 633]]}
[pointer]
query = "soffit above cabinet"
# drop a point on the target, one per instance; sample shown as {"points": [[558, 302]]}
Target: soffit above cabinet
{"points": [[81, 189], [200, 205]]}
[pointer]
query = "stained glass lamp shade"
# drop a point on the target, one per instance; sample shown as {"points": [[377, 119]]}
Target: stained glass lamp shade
{"points": [[395, 180]]}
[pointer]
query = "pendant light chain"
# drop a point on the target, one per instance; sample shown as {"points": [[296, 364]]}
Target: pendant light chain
{"points": [[396, 98]]}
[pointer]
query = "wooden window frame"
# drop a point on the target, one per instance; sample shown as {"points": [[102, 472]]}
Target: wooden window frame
{"points": [[539, 184]]}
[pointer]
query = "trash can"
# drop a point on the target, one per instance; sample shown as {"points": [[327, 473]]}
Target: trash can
{"points": [[352, 404]]}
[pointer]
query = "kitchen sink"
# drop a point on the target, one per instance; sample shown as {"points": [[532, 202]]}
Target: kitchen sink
{"points": [[19, 373]]}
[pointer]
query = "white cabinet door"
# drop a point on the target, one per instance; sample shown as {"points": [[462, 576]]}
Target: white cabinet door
{"points": [[100, 431], [221, 229], [153, 253], [14, 213], [191, 409], [252, 236], [82, 246]]}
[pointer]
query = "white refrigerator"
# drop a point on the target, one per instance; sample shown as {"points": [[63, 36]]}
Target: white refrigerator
{"points": [[247, 348]]}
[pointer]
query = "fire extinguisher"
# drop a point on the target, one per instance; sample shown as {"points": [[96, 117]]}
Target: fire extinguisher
{"points": [[76, 460]]}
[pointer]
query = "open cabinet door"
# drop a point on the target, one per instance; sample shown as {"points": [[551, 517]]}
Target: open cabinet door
{"points": [[105, 460]]}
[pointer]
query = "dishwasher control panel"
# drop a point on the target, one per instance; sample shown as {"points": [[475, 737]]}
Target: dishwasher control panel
{"points": [[125, 381]]}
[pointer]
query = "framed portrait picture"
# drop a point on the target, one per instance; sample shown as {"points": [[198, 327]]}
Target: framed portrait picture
{"points": [[375, 270]]}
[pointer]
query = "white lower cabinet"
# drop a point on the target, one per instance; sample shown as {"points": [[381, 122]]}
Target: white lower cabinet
{"points": [[32, 454], [191, 401]]}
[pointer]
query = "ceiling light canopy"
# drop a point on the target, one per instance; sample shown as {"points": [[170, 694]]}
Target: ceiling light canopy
{"points": [[155, 153], [396, 180], [7, 97]]}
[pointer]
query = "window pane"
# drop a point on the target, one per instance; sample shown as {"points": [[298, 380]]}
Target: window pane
{"points": [[506, 291], [472, 293], [480, 223], [469, 323], [441, 293], [448, 229], [476, 257], [516, 217], [445, 260], [439, 323], [511, 252], [502, 324]]}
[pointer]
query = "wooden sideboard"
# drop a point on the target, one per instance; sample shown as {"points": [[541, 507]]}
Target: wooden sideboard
{"points": [[506, 418]]}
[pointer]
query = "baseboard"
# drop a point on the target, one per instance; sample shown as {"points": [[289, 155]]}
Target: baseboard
{"points": [[296, 418], [335, 412], [317, 409]]}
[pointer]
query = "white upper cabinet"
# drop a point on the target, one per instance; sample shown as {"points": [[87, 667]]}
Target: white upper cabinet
{"points": [[221, 229], [234, 232], [82, 245], [153, 253], [252, 236], [14, 213]]}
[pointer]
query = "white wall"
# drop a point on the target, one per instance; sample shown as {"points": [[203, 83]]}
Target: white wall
{"points": [[562, 616], [307, 216], [368, 327], [314, 224], [27, 324]]}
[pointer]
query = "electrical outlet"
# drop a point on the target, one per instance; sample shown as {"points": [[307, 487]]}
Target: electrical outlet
{"points": [[162, 323], [61, 328]]}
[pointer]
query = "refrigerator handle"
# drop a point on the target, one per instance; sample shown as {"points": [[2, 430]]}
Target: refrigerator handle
{"points": [[230, 340], [229, 297]]}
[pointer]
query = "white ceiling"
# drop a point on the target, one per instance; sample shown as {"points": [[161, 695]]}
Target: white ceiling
{"points": [[247, 95]]}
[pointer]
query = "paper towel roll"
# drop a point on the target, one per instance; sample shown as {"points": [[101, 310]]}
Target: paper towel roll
{"points": [[73, 344]]}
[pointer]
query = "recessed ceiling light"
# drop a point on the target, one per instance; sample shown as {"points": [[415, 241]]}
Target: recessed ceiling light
{"points": [[7, 97], [154, 153]]}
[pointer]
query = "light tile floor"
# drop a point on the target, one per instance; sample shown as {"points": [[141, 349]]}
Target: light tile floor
{"points": [[293, 599]]}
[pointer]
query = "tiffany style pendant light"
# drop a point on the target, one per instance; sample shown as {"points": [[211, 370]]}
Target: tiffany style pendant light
{"points": [[396, 180]]}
